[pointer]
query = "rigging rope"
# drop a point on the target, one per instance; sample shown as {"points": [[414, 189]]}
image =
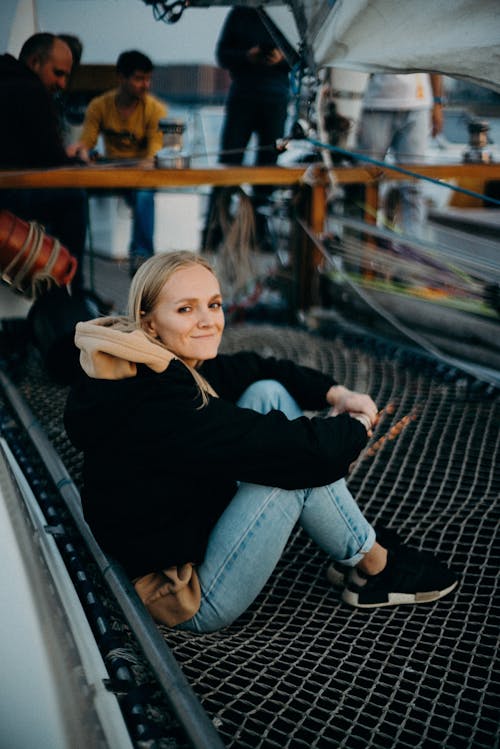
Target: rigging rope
{"points": [[356, 156], [490, 377], [486, 269]]}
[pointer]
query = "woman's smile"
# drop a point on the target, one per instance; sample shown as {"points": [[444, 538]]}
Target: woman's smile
{"points": [[188, 317]]}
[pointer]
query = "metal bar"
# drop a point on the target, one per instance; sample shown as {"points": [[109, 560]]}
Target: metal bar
{"points": [[185, 704]]}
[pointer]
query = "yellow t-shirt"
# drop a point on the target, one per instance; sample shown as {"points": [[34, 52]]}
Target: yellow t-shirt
{"points": [[136, 136]]}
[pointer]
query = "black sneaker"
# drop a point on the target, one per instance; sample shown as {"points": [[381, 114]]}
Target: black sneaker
{"points": [[409, 577], [337, 573]]}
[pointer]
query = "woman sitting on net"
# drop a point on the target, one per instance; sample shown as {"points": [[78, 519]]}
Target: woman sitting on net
{"points": [[197, 466]]}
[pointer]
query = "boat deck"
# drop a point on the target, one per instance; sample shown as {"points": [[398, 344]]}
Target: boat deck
{"points": [[302, 669]]}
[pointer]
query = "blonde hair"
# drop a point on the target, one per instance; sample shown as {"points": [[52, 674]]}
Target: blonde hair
{"points": [[145, 289]]}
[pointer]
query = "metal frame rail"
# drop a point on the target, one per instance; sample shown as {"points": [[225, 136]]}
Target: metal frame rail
{"points": [[186, 706]]}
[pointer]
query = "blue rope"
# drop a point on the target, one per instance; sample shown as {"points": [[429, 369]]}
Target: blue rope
{"points": [[401, 170]]}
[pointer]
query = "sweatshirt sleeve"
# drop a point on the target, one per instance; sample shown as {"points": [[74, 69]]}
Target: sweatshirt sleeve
{"points": [[230, 375], [271, 450], [223, 440]]}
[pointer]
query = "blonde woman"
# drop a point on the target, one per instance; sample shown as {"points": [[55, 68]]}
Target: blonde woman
{"points": [[217, 462]]}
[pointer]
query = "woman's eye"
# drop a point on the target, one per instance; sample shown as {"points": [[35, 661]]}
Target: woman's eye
{"points": [[184, 309], [216, 305]]}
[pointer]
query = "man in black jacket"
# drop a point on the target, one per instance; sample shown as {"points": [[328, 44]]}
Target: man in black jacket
{"points": [[258, 98], [30, 136], [257, 101]]}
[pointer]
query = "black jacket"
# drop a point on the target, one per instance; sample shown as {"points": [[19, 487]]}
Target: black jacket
{"points": [[29, 128], [242, 30], [159, 470]]}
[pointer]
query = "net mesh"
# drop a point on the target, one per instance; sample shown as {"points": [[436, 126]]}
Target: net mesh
{"points": [[302, 669]]}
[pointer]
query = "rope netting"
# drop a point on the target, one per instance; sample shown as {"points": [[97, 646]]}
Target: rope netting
{"points": [[302, 669]]}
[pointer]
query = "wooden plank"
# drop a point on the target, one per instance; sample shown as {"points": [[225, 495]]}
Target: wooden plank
{"points": [[113, 177], [146, 175]]}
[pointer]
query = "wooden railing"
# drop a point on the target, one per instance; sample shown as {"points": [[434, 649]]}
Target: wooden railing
{"points": [[310, 181]]}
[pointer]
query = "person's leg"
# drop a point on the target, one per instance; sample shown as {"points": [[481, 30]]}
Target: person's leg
{"points": [[410, 144], [143, 213], [236, 132], [269, 395], [375, 133], [249, 538], [269, 126], [373, 139], [237, 129]]}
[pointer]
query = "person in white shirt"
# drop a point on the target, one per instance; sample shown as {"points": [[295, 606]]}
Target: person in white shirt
{"points": [[399, 113]]}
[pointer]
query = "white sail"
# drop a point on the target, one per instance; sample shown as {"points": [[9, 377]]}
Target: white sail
{"points": [[455, 37], [19, 21], [460, 38]]}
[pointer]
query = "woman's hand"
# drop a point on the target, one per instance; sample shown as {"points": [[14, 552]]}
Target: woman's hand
{"points": [[359, 405]]}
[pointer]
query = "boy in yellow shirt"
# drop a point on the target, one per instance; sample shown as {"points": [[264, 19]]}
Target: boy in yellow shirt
{"points": [[128, 117]]}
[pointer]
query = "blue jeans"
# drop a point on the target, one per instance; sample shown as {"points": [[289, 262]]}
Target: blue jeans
{"points": [[250, 536], [406, 133], [142, 203]]}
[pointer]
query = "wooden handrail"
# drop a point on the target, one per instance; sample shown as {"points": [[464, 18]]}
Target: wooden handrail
{"points": [[117, 176], [147, 176]]}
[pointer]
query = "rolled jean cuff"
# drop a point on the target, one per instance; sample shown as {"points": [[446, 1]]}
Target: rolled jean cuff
{"points": [[353, 561]]}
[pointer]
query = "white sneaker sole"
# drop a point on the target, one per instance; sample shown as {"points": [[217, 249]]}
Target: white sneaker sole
{"points": [[395, 599], [335, 577]]}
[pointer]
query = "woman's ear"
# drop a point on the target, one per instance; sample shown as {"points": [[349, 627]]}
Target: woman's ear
{"points": [[149, 327]]}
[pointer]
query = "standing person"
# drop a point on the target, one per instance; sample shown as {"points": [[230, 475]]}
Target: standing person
{"points": [[257, 101], [399, 112], [128, 118], [30, 136], [217, 462]]}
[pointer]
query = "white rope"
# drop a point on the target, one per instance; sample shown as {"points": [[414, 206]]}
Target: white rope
{"points": [[239, 240], [32, 246], [478, 372]]}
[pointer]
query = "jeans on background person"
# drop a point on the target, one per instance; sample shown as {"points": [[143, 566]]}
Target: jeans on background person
{"points": [[251, 535], [142, 203], [406, 133]]}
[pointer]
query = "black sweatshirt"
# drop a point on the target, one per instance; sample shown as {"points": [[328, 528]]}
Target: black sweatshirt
{"points": [[159, 470]]}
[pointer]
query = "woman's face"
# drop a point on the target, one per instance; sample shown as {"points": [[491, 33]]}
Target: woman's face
{"points": [[188, 316]]}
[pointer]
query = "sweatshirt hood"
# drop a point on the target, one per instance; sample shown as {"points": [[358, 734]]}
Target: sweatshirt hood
{"points": [[109, 351]]}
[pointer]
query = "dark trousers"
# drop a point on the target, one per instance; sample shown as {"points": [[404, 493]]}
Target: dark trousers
{"points": [[62, 213], [245, 115], [263, 115]]}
